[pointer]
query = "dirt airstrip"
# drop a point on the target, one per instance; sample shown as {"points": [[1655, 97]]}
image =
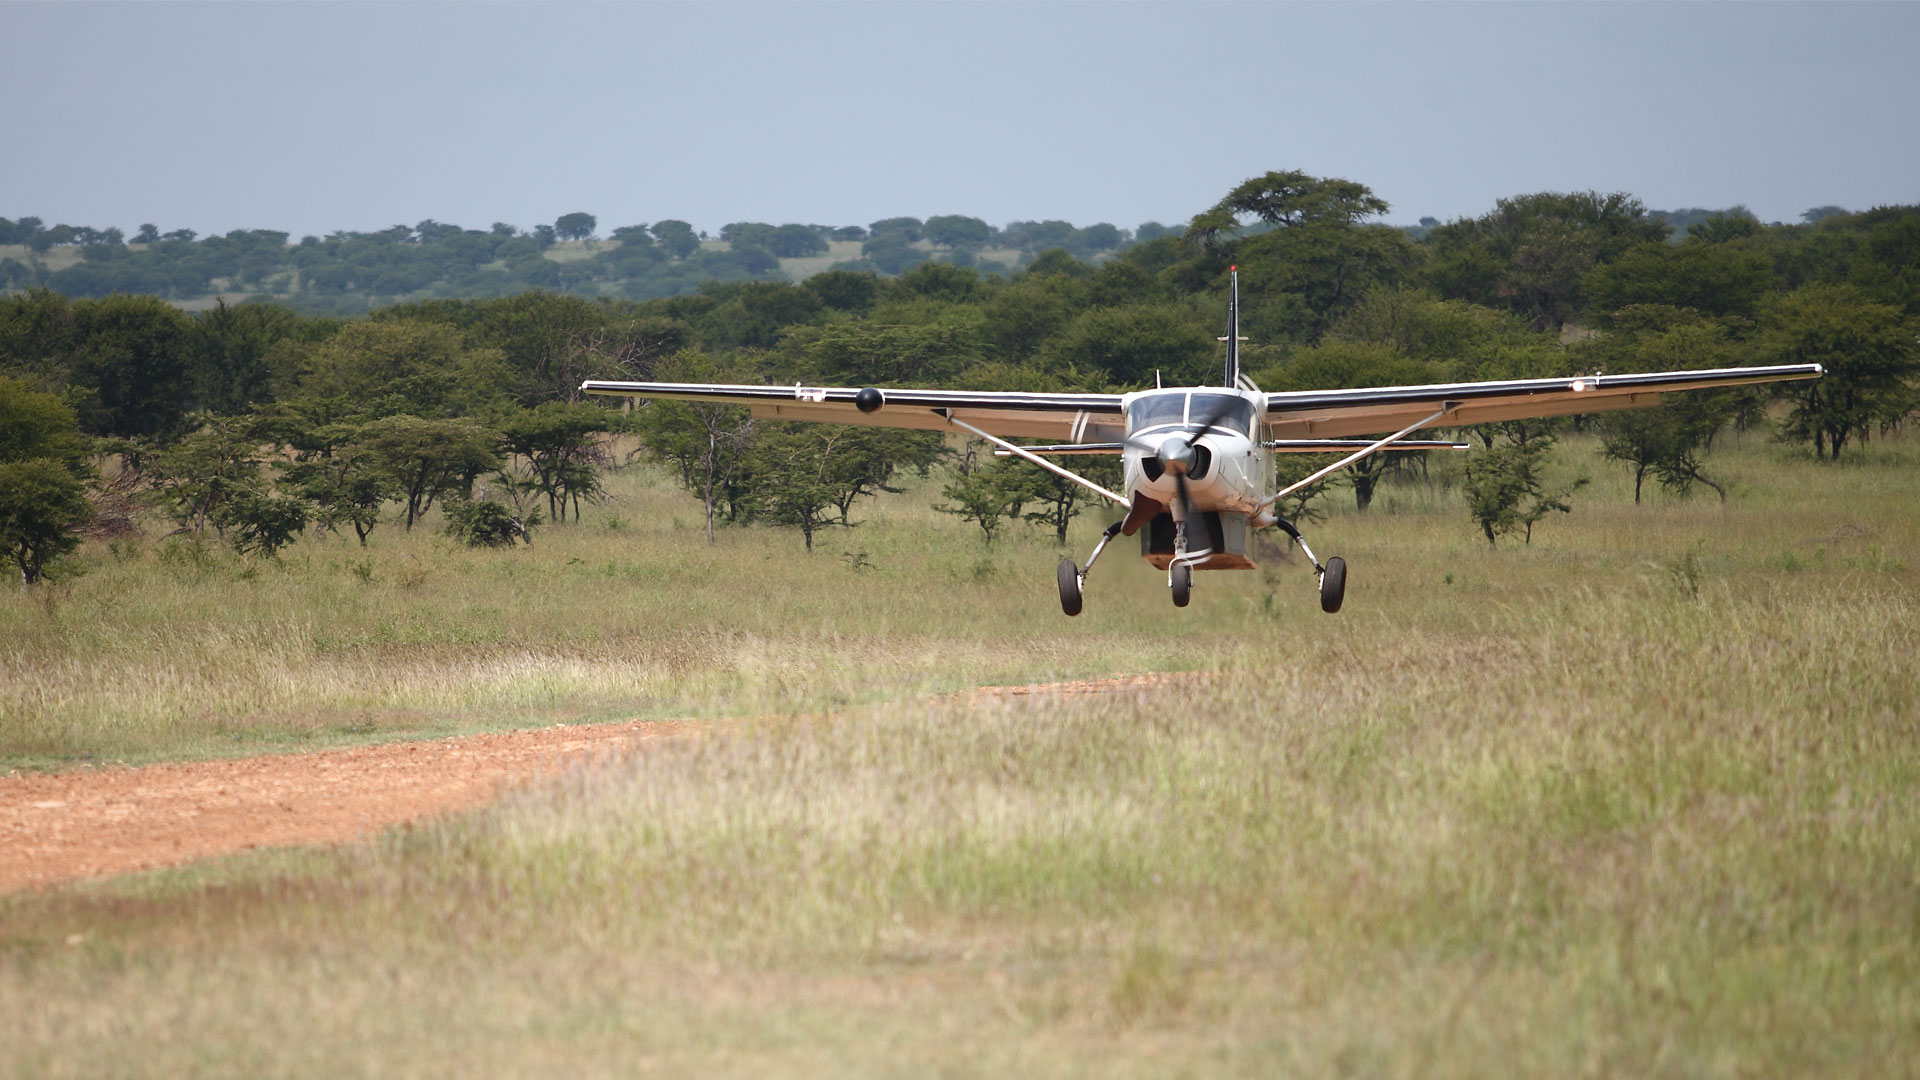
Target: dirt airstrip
{"points": [[61, 827]]}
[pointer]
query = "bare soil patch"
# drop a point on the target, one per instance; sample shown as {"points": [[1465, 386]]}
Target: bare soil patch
{"points": [[61, 827]]}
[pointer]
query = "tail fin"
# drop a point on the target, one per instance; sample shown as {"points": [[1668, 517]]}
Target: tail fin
{"points": [[1233, 327]]}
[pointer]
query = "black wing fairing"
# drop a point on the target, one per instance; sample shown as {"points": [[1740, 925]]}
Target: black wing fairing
{"points": [[1336, 413], [1070, 417]]}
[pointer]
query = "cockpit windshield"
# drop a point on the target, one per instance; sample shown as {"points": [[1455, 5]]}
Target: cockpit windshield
{"points": [[1156, 410], [1230, 411]]}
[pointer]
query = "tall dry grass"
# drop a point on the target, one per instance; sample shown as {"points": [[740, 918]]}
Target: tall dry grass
{"points": [[1637, 800]]}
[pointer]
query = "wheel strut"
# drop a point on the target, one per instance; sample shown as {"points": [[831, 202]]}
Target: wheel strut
{"points": [[1333, 576], [1074, 578]]}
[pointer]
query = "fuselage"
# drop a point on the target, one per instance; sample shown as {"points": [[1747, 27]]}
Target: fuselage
{"points": [[1231, 473]]}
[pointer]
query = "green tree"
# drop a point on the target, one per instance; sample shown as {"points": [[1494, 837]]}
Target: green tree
{"points": [[1032, 309], [844, 290], [677, 237], [989, 494], [1304, 250], [956, 230], [430, 459], [575, 226], [875, 353], [907, 227], [392, 367], [1056, 501], [44, 477], [558, 444], [1506, 487], [41, 506], [1871, 361], [893, 252], [257, 522], [795, 241], [1532, 253], [808, 475], [1336, 366], [551, 341], [1670, 442], [230, 352], [132, 354], [344, 480], [1132, 344], [1718, 279], [196, 476], [705, 445]]}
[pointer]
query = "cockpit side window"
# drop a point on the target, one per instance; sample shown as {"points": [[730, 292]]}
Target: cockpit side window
{"points": [[1154, 410], [1235, 412]]}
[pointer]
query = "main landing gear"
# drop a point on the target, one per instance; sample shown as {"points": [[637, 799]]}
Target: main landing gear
{"points": [[1333, 576], [1072, 578]]}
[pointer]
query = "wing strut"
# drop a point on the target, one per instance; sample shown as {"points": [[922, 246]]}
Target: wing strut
{"points": [[1021, 451], [1372, 448]]}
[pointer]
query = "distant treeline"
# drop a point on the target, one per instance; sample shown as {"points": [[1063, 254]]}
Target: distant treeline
{"points": [[196, 405], [348, 272]]}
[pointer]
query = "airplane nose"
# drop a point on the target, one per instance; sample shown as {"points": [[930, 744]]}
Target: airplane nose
{"points": [[1177, 454]]}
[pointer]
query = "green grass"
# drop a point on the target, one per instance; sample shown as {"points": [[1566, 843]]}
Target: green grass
{"points": [[1635, 800]]}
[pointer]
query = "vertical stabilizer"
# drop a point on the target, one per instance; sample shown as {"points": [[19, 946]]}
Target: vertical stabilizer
{"points": [[1233, 327]]}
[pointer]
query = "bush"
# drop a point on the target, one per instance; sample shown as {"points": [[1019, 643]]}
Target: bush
{"points": [[262, 524], [489, 523]]}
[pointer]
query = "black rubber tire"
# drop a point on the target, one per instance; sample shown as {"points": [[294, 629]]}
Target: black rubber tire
{"points": [[1333, 585], [1182, 584], [1069, 587]]}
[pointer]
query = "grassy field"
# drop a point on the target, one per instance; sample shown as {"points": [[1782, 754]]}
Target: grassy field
{"points": [[1635, 800]]}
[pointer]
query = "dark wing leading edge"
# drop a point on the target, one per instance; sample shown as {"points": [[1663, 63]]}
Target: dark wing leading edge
{"points": [[1072, 418], [1337, 413]]}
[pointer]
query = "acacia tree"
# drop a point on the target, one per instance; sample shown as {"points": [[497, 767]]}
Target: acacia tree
{"points": [[706, 445], [41, 504], [799, 479], [1506, 485], [1670, 442], [196, 476], [428, 459], [1872, 364], [1058, 500], [346, 483], [557, 443], [989, 495]]}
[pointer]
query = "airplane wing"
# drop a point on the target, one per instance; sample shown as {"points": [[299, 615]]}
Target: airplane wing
{"points": [[1337, 413], [1065, 417]]}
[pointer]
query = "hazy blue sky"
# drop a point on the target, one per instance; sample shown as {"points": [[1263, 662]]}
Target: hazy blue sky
{"points": [[362, 115]]}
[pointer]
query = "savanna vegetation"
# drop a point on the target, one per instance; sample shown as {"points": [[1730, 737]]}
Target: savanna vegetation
{"points": [[255, 424], [1632, 799], [1604, 769]]}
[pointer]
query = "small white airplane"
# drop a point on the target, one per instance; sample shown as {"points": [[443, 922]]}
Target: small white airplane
{"points": [[1198, 460]]}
